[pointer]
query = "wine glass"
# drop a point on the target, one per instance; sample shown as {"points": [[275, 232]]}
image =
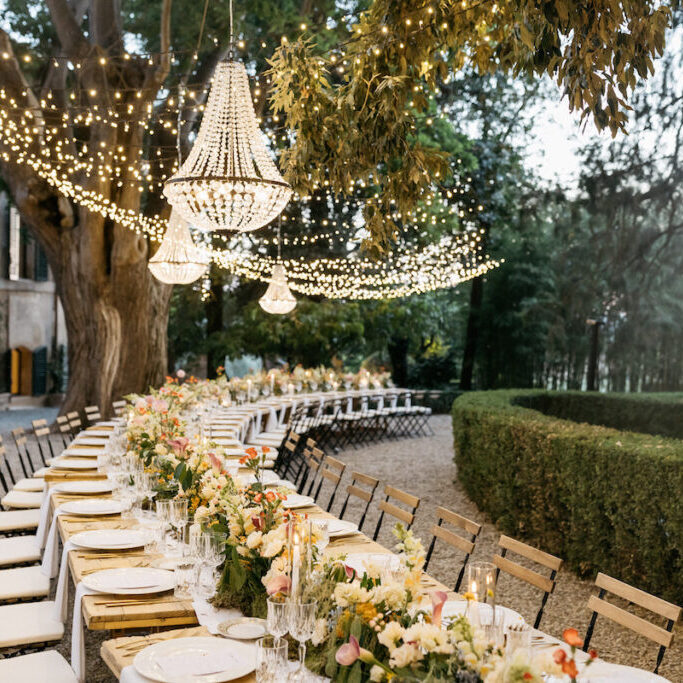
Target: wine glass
{"points": [[278, 616], [163, 508], [302, 626], [271, 659], [211, 548], [178, 518]]}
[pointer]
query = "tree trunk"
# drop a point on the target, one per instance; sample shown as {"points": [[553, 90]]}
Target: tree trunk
{"points": [[472, 334], [398, 353], [214, 323]]}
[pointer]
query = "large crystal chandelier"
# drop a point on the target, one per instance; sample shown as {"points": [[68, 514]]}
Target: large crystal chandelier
{"points": [[278, 299], [178, 261], [229, 180]]}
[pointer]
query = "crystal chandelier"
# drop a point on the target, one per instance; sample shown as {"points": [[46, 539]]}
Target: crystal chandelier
{"points": [[228, 181], [278, 299], [178, 261]]}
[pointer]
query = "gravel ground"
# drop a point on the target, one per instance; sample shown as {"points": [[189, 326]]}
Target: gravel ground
{"points": [[425, 468]]}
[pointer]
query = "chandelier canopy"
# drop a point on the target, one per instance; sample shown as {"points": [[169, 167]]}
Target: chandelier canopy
{"points": [[178, 261], [278, 299], [228, 181]]}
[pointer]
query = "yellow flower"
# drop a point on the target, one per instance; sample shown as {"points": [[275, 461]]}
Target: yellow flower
{"points": [[366, 611], [469, 596]]}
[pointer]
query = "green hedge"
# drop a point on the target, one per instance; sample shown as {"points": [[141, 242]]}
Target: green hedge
{"points": [[647, 413], [599, 498]]}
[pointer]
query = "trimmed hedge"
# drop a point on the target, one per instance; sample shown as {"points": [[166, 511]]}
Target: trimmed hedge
{"points": [[647, 413], [599, 498]]}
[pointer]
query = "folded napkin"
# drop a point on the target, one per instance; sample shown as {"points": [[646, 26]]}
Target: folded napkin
{"points": [[77, 635], [62, 592], [49, 565], [44, 522], [210, 616]]}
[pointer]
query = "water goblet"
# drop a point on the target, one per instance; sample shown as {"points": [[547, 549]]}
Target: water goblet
{"points": [[271, 659], [179, 516], [302, 626], [278, 616], [184, 579], [163, 510]]}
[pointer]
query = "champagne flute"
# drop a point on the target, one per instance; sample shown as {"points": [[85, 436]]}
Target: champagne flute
{"points": [[301, 627]]}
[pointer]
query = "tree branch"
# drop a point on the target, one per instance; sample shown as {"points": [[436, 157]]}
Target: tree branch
{"points": [[157, 75], [68, 30], [105, 24]]}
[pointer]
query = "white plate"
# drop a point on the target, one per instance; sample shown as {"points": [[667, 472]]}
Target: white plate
{"points": [[90, 441], [284, 483], [604, 672], [454, 608], [267, 477], [294, 500], [74, 464], [103, 433], [92, 506], [110, 539], [84, 452], [173, 661], [362, 561], [88, 487], [130, 581], [338, 528], [243, 628]]}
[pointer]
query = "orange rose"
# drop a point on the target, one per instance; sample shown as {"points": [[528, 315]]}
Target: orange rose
{"points": [[527, 676], [559, 656], [593, 654], [270, 496], [571, 637]]}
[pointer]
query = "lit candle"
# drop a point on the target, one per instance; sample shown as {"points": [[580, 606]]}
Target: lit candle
{"points": [[291, 389]]}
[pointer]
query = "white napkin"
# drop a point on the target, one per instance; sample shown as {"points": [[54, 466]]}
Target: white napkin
{"points": [[77, 635], [44, 522], [210, 616], [62, 592], [49, 566]]}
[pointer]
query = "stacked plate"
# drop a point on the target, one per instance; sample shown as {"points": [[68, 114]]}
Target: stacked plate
{"points": [[337, 528], [363, 562], [85, 487], [74, 463], [84, 451], [130, 581], [210, 660], [456, 608], [90, 441], [295, 501], [92, 506], [110, 539]]}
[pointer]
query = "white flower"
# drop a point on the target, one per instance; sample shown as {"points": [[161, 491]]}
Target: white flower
{"points": [[346, 594], [254, 539], [320, 632], [404, 656], [430, 638], [377, 673], [389, 637], [160, 449], [393, 594]]}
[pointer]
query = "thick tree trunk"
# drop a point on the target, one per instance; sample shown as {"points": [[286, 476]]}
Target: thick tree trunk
{"points": [[398, 353], [214, 322]]}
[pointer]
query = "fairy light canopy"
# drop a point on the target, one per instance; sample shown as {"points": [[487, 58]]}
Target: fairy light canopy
{"points": [[178, 261]]}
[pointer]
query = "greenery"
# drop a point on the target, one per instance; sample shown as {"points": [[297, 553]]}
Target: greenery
{"points": [[599, 498], [657, 414]]}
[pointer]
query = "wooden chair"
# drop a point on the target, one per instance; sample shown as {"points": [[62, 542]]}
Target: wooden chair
{"points": [[391, 509], [312, 458], [64, 429], [21, 443], [287, 454], [353, 490], [119, 407], [533, 578], [92, 414], [332, 470], [41, 431], [74, 422], [661, 636], [465, 545]]}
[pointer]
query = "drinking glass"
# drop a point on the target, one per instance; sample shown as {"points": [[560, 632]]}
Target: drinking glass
{"points": [[481, 581], [184, 579], [302, 626], [271, 659], [518, 638], [163, 508], [492, 623], [179, 516], [278, 616]]}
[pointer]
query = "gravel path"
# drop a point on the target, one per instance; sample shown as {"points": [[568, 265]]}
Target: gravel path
{"points": [[425, 468]]}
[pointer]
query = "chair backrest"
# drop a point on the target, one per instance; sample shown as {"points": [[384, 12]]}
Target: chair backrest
{"points": [[530, 576], [464, 544], [288, 452], [387, 507], [74, 422], [332, 470], [118, 407], [313, 458], [598, 605], [8, 483], [92, 414], [41, 431], [355, 491]]}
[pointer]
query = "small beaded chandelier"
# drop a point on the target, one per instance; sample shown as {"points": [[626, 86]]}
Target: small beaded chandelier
{"points": [[278, 298], [229, 180], [178, 261]]}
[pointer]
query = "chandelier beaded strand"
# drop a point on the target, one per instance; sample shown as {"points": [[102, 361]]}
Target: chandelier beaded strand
{"points": [[278, 299], [229, 180]]}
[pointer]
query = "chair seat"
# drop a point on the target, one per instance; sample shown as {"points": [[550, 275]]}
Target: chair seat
{"points": [[17, 520], [29, 622], [22, 500], [30, 485], [267, 439], [41, 667], [18, 549], [39, 474], [23, 582]]}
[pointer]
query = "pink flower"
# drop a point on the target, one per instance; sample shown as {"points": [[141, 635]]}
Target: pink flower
{"points": [[438, 600], [150, 399], [278, 584], [215, 461], [350, 572], [160, 405], [141, 405], [180, 374], [179, 445], [349, 652]]}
